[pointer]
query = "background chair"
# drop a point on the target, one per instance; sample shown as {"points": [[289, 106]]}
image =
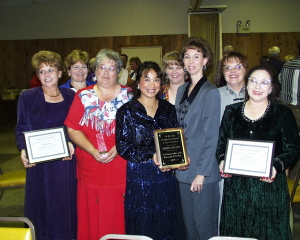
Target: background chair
{"points": [[124, 236], [12, 179], [17, 233], [294, 188]]}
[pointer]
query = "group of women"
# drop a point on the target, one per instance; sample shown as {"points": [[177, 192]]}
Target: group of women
{"points": [[123, 190]]}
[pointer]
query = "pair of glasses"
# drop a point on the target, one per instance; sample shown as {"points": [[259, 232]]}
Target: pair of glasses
{"points": [[263, 82], [103, 68], [235, 67]]}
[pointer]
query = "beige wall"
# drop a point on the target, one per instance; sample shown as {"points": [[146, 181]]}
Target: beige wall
{"points": [[265, 15], [101, 18]]}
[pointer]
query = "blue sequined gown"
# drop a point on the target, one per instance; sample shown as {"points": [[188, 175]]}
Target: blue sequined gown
{"points": [[150, 201]]}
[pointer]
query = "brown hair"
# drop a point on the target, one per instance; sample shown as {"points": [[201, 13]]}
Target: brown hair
{"points": [[199, 44], [48, 58]]}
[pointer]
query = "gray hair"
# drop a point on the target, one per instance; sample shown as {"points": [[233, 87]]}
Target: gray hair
{"points": [[110, 54], [274, 52], [228, 49]]}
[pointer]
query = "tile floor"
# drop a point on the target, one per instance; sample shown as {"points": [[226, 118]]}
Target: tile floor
{"points": [[12, 201]]}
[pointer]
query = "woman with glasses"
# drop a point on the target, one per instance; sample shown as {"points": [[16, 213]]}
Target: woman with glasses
{"points": [[101, 172], [234, 67], [259, 207], [76, 66]]}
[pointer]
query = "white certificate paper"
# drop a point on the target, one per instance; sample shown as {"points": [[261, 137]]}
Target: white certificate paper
{"points": [[46, 145], [249, 158]]}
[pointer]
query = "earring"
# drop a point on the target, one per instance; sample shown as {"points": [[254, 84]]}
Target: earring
{"points": [[138, 87], [184, 69], [270, 91], [204, 67]]}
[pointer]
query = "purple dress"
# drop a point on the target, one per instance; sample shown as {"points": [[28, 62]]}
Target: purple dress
{"points": [[50, 195]]}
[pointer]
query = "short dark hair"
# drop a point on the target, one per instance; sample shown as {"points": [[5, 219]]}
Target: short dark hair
{"points": [[124, 55], [137, 60], [274, 95], [142, 71]]}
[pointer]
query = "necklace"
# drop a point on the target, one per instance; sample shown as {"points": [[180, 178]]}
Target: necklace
{"points": [[51, 95]]}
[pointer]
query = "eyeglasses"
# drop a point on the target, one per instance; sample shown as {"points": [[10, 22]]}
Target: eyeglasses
{"points": [[263, 82], [111, 70], [236, 67]]}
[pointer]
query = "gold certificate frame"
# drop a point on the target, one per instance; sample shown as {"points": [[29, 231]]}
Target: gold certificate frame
{"points": [[170, 148], [46, 145], [249, 158]]}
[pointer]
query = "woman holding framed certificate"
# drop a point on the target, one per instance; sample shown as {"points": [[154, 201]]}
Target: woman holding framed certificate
{"points": [[254, 206], [50, 195]]}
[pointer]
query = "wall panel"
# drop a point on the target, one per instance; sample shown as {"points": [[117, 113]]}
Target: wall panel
{"points": [[16, 55]]}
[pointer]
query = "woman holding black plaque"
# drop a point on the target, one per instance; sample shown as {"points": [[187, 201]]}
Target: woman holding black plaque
{"points": [[259, 207], [150, 197], [50, 195]]}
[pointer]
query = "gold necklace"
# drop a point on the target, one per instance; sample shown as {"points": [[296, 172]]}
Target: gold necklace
{"points": [[51, 95]]}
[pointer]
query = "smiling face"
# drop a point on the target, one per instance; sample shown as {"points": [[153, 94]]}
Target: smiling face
{"points": [[106, 73], [194, 62], [234, 73], [78, 72], [48, 75], [175, 73], [260, 86], [149, 85], [134, 66]]}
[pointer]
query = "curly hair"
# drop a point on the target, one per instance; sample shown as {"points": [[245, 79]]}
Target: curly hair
{"points": [[110, 54], [274, 95], [46, 57], [76, 56], [199, 44]]}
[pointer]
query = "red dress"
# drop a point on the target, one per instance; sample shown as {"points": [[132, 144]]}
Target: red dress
{"points": [[101, 187]]}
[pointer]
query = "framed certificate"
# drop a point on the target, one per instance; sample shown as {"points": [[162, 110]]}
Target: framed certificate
{"points": [[46, 145], [249, 158], [170, 147]]}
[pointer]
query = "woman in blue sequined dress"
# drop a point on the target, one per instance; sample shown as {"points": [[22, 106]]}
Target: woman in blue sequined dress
{"points": [[150, 198]]}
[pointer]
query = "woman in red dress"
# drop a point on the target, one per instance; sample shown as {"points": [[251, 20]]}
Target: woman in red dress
{"points": [[101, 177]]}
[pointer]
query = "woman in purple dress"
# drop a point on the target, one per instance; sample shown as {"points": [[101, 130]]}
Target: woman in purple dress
{"points": [[50, 196]]}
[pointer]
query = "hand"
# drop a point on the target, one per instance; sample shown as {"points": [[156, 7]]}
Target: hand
{"points": [[105, 158], [25, 160], [267, 179], [72, 150], [197, 184], [185, 167], [111, 155], [155, 160], [221, 168]]}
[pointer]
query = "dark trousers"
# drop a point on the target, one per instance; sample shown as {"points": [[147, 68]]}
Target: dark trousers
{"points": [[200, 211]]}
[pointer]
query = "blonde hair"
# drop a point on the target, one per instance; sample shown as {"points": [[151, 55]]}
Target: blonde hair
{"points": [[171, 58], [46, 57], [289, 58], [76, 56]]}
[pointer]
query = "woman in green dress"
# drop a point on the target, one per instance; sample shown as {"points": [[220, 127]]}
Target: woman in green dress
{"points": [[259, 207]]}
